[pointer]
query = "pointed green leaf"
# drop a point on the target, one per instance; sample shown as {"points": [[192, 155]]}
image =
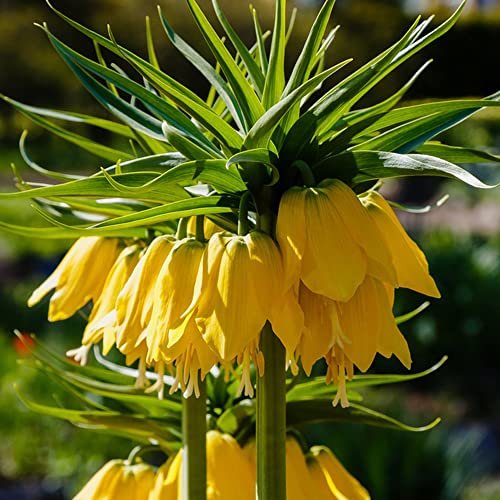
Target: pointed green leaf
{"points": [[275, 76], [261, 132], [253, 69], [300, 413], [456, 154], [360, 166], [247, 99], [206, 69], [179, 94]]}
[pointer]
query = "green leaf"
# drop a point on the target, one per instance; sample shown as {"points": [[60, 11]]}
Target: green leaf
{"points": [[260, 134], [360, 381], [264, 63], [253, 69], [68, 116], [179, 94], [206, 69], [203, 205], [146, 123], [275, 76], [372, 114], [430, 109], [36, 167], [93, 147], [259, 155], [138, 427], [59, 233], [239, 415], [360, 166], [456, 154], [306, 60], [153, 59], [216, 173], [99, 187], [247, 99], [403, 318], [193, 150], [409, 136], [301, 413]]}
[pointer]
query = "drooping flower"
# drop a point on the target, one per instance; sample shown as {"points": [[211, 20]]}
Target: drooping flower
{"points": [[238, 280], [167, 485], [348, 334], [412, 269], [97, 330], [134, 304], [229, 473], [171, 339], [315, 475], [332, 478], [119, 479], [329, 241], [79, 277]]}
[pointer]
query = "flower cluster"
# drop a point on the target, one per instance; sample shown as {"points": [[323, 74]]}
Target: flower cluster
{"points": [[231, 474], [326, 285]]}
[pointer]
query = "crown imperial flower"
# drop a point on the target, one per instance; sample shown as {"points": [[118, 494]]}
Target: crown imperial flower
{"points": [[79, 277]]}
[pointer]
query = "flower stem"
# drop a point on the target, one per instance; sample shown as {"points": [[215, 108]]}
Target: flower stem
{"points": [[271, 420], [194, 458], [306, 172]]}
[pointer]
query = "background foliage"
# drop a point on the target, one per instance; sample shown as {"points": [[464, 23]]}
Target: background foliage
{"points": [[459, 459]]}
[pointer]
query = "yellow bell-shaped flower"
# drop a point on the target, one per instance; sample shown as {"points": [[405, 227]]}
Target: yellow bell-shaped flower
{"points": [[79, 277], [170, 338], [229, 472], [367, 321], [411, 266], [329, 241], [316, 475], [167, 485], [238, 280], [134, 304], [331, 478], [98, 327], [119, 479]]}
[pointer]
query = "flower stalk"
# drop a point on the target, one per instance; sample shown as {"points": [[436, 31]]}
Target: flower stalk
{"points": [[194, 429], [271, 420]]}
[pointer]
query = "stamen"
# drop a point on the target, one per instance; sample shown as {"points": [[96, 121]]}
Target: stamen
{"points": [[141, 381], [159, 385], [80, 354]]}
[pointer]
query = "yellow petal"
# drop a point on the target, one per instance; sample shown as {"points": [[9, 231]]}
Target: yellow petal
{"points": [[228, 470], [361, 322], [235, 297], [79, 278], [287, 320], [334, 265], [391, 340], [362, 229], [291, 233], [173, 293], [318, 335], [324, 489], [115, 281], [298, 479], [168, 480], [337, 476], [411, 265], [135, 301]]}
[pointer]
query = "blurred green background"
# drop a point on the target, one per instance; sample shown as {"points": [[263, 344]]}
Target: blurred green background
{"points": [[45, 458]]}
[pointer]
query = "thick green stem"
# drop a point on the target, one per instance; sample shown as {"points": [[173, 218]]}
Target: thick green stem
{"points": [[194, 459], [271, 420]]}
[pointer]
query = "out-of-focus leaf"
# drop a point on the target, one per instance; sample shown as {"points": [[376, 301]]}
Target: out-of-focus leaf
{"points": [[237, 416], [299, 413]]}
